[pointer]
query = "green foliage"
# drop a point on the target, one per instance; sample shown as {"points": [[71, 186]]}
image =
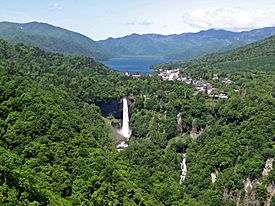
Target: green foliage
{"points": [[261, 193], [57, 149], [239, 139], [182, 46], [258, 56], [52, 39], [272, 201]]}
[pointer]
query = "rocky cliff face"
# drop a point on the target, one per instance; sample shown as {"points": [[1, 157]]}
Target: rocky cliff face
{"points": [[271, 194], [248, 196], [268, 166], [111, 107]]}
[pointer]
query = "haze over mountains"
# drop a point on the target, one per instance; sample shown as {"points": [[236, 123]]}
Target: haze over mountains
{"points": [[182, 46]]}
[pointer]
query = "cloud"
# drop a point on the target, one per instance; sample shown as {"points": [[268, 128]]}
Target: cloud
{"points": [[235, 19], [140, 22], [55, 7]]}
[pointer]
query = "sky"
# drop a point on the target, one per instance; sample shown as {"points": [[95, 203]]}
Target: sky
{"points": [[100, 19]]}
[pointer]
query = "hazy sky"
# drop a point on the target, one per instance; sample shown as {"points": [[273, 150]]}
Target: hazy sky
{"points": [[100, 19]]}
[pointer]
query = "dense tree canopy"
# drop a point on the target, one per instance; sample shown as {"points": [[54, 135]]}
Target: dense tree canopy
{"points": [[56, 148]]}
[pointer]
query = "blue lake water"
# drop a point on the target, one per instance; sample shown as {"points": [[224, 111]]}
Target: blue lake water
{"points": [[134, 65]]}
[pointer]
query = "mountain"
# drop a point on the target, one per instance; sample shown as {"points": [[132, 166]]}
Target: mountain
{"points": [[51, 38], [238, 177], [182, 46], [56, 148], [252, 56]]}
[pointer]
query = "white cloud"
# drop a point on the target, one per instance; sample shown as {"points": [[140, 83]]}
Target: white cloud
{"points": [[140, 22], [235, 19], [55, 7]]}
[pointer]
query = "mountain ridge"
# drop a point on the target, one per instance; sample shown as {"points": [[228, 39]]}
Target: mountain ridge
{"points": [[251, 55], [174, 46], [183, 46], [51, 38]]}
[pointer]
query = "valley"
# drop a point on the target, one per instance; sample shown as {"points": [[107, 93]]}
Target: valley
{"points": [[50, 123], [171, 47], [146, 131]]}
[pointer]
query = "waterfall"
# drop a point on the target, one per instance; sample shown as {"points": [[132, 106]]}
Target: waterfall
{"points": [[125, 131], [179, 124], [183, 167]]}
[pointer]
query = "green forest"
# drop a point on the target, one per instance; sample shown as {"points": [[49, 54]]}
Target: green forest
{"points": [[58, 149], [52, 39]]}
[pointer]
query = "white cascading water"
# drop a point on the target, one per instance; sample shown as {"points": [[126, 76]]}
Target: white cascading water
{"points": [[125, 130], [183, 168]]}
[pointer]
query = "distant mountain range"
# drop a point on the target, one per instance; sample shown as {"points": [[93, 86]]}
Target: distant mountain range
{"points": [[258, 56], [51, 38], [181, 46]]}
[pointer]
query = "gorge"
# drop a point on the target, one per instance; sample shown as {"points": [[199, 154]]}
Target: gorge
{"points": [[58, 115]]}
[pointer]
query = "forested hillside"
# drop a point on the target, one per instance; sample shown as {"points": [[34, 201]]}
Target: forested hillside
{"points": [[256, 56], [51, 38], [58, 149], [182, 46]]}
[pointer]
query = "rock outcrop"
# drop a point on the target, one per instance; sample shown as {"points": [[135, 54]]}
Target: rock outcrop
{"points": [[214, 176], [268, 166]]}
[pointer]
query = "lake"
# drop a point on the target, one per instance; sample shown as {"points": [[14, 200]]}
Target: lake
{"points": [[134, 65]]}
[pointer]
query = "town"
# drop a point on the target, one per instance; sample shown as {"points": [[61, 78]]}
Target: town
{"points": [[200, 86]]}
